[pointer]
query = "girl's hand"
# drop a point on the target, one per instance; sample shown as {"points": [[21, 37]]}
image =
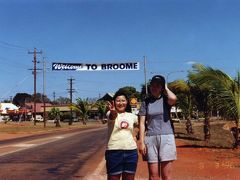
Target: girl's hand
{"points": [[111, 106], [113, 112], [142, 148]]}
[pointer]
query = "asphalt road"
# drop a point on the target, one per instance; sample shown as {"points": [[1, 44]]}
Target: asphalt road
{"points": [[58, 159]]}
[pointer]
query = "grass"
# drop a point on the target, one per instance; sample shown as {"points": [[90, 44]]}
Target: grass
{"points": [[28, 127], [220, 138]]}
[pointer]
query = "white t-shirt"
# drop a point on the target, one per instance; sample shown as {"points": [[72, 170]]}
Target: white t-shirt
{"points": [[120, 132]]}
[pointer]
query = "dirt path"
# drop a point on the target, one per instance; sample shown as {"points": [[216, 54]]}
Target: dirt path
{"points": [[193, 164]]}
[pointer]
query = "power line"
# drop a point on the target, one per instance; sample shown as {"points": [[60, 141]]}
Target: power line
{"points": [[11, 63], [18, 84], [12, 45]]}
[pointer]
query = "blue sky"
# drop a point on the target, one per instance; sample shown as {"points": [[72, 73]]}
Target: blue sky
{"points": [[171, 33]]}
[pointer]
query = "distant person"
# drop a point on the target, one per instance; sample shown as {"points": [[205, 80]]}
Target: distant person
{"points": [[121, 154], [156, 141]]}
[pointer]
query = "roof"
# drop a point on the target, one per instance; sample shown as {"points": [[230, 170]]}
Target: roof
{"points": [[7, 106], [107, 97], [39, 106]]}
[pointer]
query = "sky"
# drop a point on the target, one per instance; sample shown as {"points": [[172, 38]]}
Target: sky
{"points": [[172, 34]]}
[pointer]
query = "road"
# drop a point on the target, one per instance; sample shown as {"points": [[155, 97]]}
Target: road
{"points": [[51, 157], [79, 155]]}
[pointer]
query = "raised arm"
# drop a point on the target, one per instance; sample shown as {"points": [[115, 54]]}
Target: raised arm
{"points": [[172, 98], [112, 113]]}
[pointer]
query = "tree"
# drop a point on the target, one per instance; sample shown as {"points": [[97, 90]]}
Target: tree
{"points": [[82, 106], [130, 91], [202, 95], [56, 115], [102, 109], [143, 90], [20, 98], [6, 101], [39, 98], [183, 91], [62, 100], [226, 90]]}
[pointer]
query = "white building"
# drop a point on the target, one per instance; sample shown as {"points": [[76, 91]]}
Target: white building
{"points": [[5, 107]]}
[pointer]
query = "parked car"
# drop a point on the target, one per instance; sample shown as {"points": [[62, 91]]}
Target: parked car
{"points": [[39, 118]]}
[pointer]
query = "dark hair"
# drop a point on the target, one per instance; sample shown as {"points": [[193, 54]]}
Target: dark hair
{"points": [[122, 93], [158, 79]]}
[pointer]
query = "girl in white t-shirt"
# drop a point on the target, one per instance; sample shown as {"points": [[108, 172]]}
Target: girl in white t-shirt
{"points": [[121, 154]]}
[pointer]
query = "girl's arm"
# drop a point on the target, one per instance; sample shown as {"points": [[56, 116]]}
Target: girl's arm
{"points": [[142, 147], [172, 98], [113, 114]]}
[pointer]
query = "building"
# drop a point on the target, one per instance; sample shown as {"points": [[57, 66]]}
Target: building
{"points": [[6, 108], [11, 111], [107, 97], [39, 108]]}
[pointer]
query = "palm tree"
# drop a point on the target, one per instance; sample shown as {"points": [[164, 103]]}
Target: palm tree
{"points": [[226, 90], [102, 109], [55, 114], [82, 106], [203, 97], [183, 91]]}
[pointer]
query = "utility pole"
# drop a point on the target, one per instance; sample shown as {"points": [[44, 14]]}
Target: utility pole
{"points": [[35, 79], [145, 74], [71, 90], [44, 86], [54, 96]]}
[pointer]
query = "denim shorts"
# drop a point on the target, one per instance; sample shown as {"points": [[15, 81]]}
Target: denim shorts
{"points": [[119, 161], [160, 148]]}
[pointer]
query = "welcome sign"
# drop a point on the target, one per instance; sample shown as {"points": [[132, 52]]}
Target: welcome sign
{"points": [[95, 67]]}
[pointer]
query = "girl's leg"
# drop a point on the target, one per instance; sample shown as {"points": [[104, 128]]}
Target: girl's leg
{"points": [[114, 177], [153, 169], [128, 176], [166, 170]]}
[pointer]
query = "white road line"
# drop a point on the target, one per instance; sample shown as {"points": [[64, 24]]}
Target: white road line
{"points": [[59, 137], [97, 173], [100, 167], [23, 145]]}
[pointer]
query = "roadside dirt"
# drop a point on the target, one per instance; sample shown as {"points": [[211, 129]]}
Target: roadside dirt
{"points": [[16, 130], [205, 163]]}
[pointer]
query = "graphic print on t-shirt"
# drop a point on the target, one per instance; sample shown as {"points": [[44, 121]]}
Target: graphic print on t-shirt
{"points": [[124, 124]]}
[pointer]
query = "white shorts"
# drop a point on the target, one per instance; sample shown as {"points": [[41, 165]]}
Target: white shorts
{"points": [[160, 148]]}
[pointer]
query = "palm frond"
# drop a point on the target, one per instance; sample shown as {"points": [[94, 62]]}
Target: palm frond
{"points": [[225, 88]]}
